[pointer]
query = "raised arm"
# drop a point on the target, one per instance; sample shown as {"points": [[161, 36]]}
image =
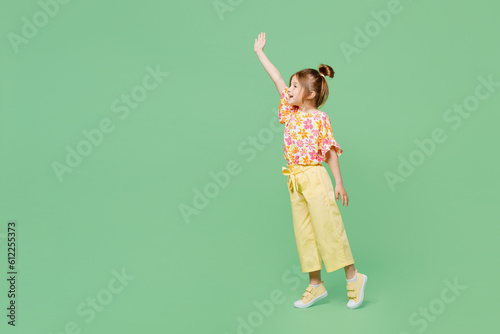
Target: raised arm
{"points": [[273, 72]]}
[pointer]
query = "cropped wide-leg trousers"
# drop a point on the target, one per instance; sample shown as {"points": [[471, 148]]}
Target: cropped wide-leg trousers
{"points": [[317, 223]]}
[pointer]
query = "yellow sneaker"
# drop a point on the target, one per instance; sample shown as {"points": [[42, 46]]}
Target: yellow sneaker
{"points": [[356, 291], [311, 296]]}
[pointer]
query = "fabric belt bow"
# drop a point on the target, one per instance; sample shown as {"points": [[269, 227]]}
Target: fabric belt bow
{"points": [[292, 182]]}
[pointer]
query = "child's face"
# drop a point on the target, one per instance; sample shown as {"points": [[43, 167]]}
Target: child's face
{"points": [[295, 93]]}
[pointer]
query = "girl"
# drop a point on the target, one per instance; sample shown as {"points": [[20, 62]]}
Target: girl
{"points": [[308, 141]]}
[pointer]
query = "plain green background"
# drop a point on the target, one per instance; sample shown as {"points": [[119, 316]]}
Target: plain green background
{"points": [[120, 209]]}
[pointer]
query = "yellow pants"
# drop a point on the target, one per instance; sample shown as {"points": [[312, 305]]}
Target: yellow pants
{"points": [[317, 223]]}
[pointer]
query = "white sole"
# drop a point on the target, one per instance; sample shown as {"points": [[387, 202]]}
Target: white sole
{"points": [[312, 301], [362, 295]]}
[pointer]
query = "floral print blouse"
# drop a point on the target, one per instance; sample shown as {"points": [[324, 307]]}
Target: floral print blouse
{"points": [[308, 136]]}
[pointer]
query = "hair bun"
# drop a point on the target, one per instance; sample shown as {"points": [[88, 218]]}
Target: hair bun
{"points": [[326, 70]]}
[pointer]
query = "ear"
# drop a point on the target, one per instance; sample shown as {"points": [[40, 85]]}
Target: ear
{"points": [[312, 95]]}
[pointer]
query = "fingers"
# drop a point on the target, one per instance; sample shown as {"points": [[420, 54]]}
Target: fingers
{"points": [[260, 41], [343, 197], [345, 200]]}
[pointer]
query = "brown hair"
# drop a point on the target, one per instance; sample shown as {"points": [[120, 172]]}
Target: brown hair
{"points": [[312, 81]]}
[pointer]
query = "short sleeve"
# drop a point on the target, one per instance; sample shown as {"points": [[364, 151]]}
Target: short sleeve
{"points": [[326, 140], [284, 108]]}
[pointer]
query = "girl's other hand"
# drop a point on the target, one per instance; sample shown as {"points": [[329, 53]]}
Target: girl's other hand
{"points": [[339, 190], [260, 41]]}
